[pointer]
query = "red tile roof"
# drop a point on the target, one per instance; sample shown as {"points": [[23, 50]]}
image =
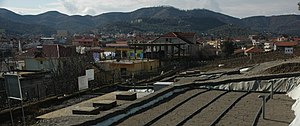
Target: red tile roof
{"points": [[253, 50], [286, 44], [238, 51], [296, 39]]}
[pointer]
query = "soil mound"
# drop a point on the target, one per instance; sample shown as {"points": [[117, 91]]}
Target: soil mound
{"points": [[283, 68]]}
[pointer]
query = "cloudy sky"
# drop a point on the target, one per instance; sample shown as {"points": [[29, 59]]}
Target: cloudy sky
{"points": [[236, 8]]}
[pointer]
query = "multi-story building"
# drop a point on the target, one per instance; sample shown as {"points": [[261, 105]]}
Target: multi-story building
{"points": [[86, 41]]}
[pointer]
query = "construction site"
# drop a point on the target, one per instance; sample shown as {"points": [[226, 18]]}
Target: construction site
{"points": [[258, 94]]}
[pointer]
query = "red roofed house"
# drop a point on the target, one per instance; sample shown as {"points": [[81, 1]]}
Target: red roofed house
{"points": [[296, 39], [85, 41], [50, 51], [253, 50], [287, 47], [120, 47], [47, 57]]}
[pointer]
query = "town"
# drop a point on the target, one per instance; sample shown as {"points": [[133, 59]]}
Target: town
{"points": [[54, 65]]}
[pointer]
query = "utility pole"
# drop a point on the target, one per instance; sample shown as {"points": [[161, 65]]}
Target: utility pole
{"points": [[263, 105], [272, 88]]}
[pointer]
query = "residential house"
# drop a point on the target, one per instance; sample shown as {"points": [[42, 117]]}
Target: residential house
{"points": [[125, 68], [282, 38], [46, 57], [268, 46], [86, 41], [257, 39], [47, 40], [120, 48], [215, 43], [239, 52], [187, 43], [253, 50], [287, 47]]}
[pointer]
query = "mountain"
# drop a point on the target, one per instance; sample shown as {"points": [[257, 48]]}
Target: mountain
{"points": [[153, 19], [162, 19], [277, 24], [19, 24], [230, 30]]}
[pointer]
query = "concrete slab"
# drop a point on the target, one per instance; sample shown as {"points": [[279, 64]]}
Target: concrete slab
{"points": [[86, 110], [127, 96], [64, 112], [105, 104]]}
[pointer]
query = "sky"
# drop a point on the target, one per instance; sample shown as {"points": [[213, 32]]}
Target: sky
{"points": [[236, 8]]}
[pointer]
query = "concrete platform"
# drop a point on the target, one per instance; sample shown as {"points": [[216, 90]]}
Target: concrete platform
{"points": [[105, 104], [130, 96], [68, 111], [86, 110]]}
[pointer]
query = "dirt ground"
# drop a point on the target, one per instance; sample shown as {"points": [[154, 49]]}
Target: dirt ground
{"points": [[283, 68], [243, 113], [146, 116], [278, 112]]}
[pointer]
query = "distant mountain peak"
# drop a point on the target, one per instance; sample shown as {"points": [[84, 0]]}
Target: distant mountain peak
{"points": [[6, 11], [53, 13]]}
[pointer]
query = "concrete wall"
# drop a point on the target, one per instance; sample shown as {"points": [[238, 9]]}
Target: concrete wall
{"points": [[134, 66], [40, 64], [32, 87]]}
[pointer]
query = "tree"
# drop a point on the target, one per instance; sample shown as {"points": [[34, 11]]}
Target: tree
{"points": [[227, 48]]}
